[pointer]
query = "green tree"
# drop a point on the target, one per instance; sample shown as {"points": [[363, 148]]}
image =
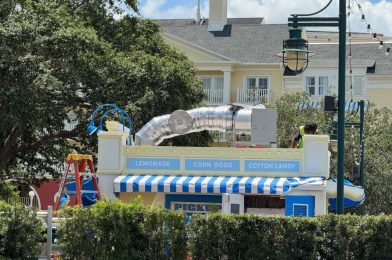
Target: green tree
{"points": [[60, 59], [290, 117], [378, 146]]}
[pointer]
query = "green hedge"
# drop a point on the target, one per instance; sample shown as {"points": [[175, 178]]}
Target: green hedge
{"points": [[220, 236], [122, 231], [131, 231], [20, 232]]}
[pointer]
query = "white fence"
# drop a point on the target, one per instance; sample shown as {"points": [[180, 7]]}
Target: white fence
{"points": [[253, 96], [28, 203], [214, 96]]}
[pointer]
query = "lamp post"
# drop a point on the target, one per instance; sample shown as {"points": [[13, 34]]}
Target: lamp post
{"points": [[296, 60]]}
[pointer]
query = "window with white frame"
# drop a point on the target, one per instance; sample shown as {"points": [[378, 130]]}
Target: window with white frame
{"points": [[317, 85], [212, 83], [256, 83], [207, 83], [358, 86]]}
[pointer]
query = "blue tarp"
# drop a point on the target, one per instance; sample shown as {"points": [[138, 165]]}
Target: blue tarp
{"points": [[348, 203], [87, 198]]}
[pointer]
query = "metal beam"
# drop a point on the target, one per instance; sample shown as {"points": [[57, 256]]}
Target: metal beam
{"points": [[313, 19], [362, 143], [341, 105], [311, 24]]}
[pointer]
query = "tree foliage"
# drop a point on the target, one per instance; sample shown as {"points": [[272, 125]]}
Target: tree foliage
{"points": [[20, 232], [378, 146], [60, 59], [290, 117]]}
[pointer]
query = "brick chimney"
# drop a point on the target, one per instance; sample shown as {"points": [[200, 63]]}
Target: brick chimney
{"points": [[218, 15]]}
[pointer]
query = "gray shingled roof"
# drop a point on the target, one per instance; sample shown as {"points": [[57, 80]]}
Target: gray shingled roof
{"points": [[246, 40]]}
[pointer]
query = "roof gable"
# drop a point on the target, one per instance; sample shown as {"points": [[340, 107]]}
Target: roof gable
{"points": [[194, 52]]}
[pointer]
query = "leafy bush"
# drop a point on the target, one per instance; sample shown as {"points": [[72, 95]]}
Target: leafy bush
{"points": [[219, 236], [20, 232], [110, 230]]}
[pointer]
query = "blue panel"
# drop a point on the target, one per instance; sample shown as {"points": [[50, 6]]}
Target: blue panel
{"points": [[300, 210], [212, 165], [153, 163], [272, 166], [346, 202], [294, 204]]}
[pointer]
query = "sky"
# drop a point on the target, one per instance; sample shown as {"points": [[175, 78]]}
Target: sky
{"points": [[378, 13]]}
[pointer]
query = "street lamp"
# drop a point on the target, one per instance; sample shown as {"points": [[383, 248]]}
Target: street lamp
{"points": [[295, 57], [31, 195], [91, 129], [295, 52]]}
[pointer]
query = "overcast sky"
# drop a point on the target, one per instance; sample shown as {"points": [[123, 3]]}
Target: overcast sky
{"points": [[378, 13]]}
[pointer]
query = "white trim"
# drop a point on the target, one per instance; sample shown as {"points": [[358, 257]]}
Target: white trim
{"points": [[258, 69], [301, 204], [257, 76], [213, 79], [214, 90], [364, 86], [330, 78], [226, 86]]}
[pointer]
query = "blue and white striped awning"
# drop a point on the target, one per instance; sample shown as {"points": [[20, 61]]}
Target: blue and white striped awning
{"points": [[309, 104], [354, 106], [210, 184], [349, 106]]}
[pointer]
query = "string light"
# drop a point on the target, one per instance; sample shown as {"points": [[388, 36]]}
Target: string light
{"points": [[350, 56], [374, 35]]}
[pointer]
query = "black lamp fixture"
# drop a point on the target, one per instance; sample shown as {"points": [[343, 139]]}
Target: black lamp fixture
{"points": [[295, 52]]}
